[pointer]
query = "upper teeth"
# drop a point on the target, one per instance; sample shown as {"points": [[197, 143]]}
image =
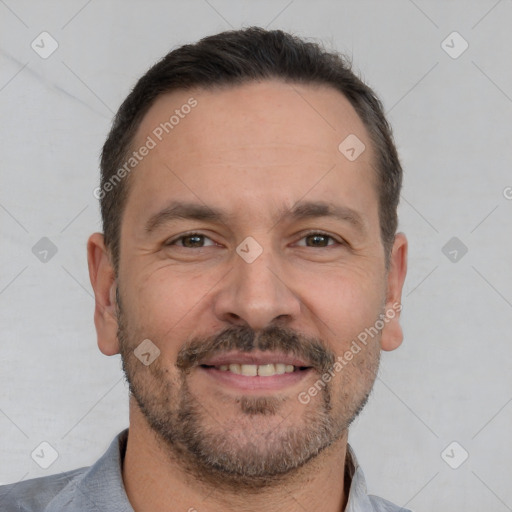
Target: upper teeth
{"points": [[264, 370]]}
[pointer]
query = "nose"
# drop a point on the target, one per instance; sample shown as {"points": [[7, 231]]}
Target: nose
{"points": [[256, 294]]}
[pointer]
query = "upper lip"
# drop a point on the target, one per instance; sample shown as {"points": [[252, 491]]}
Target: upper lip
{"points": [[257, 358]]}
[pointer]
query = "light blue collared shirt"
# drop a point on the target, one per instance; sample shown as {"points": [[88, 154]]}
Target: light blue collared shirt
{"points": [[100, 488]]}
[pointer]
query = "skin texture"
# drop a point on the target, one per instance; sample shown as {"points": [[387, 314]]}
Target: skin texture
{"points": [[254, 151]]}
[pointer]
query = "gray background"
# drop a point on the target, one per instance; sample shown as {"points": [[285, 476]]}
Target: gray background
{"points": [[451, 379]]}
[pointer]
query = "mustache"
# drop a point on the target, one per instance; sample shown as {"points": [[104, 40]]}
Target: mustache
{"points": [[245, 339]]}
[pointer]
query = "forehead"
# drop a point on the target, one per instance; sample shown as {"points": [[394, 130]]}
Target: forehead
{"points": [[269, 142], [268, 112]]}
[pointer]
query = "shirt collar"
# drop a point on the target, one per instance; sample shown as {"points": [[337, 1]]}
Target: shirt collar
{"points": [[100, 488], [358, 500]]}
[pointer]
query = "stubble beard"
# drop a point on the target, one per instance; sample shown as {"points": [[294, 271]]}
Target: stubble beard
{"points": [[240, 456]]}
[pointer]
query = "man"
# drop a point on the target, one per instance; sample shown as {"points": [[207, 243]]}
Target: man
{"points": [[249, 275]]}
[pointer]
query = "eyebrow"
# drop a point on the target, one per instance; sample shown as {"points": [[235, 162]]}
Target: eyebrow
{"points": [[313, 209], [182, 210], [179, 210]]}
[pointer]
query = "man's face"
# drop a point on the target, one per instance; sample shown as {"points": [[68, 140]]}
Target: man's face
{"points": [[261, 156]]}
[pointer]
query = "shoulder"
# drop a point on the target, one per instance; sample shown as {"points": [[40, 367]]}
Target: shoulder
{"points": [[95, 488], [382, 505], [35, 494]]}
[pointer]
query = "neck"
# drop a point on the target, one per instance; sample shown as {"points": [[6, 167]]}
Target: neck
{"points": [[155, 481]]}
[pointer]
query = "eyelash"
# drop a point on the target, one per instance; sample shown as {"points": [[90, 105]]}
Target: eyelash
{"points": [[305, 235]]}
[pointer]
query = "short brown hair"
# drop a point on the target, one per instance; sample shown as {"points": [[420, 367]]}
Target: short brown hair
{"points": [[233, 58]]}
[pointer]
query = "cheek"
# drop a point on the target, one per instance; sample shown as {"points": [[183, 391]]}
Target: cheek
{"points": [[346, 304], [163, 304]]}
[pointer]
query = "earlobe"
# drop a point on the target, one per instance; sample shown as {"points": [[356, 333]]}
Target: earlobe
{"points": [[392, 334], [103, 281]]}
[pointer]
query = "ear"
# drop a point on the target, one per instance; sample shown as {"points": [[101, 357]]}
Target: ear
{"points": [[103, 281], [392, 335]]}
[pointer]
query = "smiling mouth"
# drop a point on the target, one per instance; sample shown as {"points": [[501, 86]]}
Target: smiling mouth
{"points": [[260, 370]]}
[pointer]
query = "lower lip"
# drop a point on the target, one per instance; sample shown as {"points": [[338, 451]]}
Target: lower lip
{"points": [[256, 383]]}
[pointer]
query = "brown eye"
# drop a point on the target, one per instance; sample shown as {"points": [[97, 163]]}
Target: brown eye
{"points": [[318, 240], [191, 241]]}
